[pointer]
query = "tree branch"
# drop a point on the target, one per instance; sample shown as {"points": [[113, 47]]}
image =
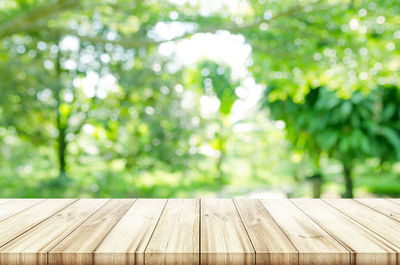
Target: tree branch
{"points": [[28, 20], [289, 12], [138, 43], [123, 41], [31, 23]]}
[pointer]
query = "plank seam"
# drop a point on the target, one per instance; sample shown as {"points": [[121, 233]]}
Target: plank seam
{"points": [[378, 210], [1, 203], [283, 232], [21, 210], [47, 254], [40, 221], [366, 227], [199, 231], [152, 233], [101, 241], [245, 229], [348, 248], [383, 240], [113, 225]]}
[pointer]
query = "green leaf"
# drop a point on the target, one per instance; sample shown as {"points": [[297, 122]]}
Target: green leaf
{"points": [[346, 109], [393, 137]]}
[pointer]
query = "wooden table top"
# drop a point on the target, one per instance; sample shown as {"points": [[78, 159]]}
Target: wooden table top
{"points": [[199, 231]]}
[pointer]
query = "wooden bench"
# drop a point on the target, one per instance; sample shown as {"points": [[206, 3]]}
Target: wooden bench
{"points": [[199, 231]]}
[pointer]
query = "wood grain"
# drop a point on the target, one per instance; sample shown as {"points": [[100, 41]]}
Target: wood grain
{"points": [[193, 231], [21, 222], [77, 248], [224, 239], [11, 207], [127, 241], [369, 218], [315, 246], [367, 248], [387, 207], [270, 243], [32, 247], [176, 237]]}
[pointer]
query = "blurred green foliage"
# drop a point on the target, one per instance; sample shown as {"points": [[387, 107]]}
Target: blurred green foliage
{"points": [[348, 130], [91, 104]]}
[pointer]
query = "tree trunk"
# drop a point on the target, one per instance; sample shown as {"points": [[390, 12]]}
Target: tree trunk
{"points": [[347, 172], [62, 148], [62, 143], [316, 178], [220, 172], [220, 179], [317, 185]]}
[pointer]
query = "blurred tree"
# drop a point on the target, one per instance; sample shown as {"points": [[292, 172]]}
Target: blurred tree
{"points": [[218, 79], [336, 41], [387, 112], [346, 45], [71, 84], [69, 69], [214, 80], [348, 130], [300, 121]]}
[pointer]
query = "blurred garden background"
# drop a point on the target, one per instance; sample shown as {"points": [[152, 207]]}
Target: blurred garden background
{"points": [[199, 98]]}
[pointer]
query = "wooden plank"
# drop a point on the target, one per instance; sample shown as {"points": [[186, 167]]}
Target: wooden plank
{"points": [[21, 222], [31, 248], [371, 219], [270, 243], [386, 207], [127, 241], [223, 237], [11, 207], [4, 201], [77, 248], [366, 247], [397, 201], [176, 237], [240, 231], [315, 246]]}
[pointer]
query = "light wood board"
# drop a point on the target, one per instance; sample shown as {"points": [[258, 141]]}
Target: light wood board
{"points": [[372, 219], [270, 243], [365, 248], [78, 246], [199, 231], [315, 245], [11, 207], [126, 243], [175, 240], [387, 207], [224, 239], [32, 246]]}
